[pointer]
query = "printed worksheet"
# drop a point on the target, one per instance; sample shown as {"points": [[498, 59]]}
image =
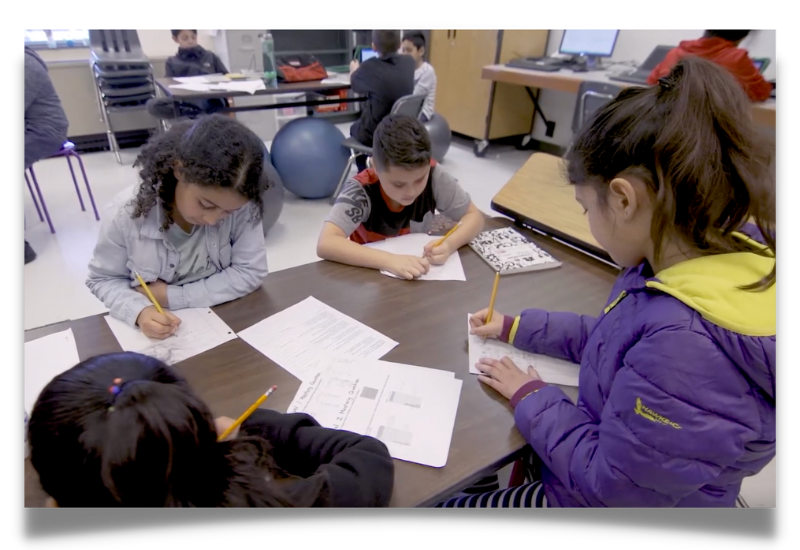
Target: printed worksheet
{"points": [[413, 245], [412, 410], [201, 330], [552, 370], [45, 359], [297, 337]]}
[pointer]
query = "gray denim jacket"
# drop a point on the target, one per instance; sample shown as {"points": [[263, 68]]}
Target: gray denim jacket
{"points": [[235, 246]]}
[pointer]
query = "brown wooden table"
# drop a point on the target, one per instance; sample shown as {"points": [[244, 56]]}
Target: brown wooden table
{"points": [[425, 317], [568, 81]]}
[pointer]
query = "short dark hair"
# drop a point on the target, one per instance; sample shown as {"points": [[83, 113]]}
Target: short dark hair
{"points": [[213, 151], [176, 32], [733, 36], [416, 38], [692, 141], [386, 42], [401, 141]]}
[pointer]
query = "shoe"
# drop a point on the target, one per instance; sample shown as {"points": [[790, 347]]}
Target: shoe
{"points": [[30, 255]]}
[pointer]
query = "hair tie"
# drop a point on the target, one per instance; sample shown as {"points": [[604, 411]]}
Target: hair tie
{"points": [[114, 391], [666, 83]]}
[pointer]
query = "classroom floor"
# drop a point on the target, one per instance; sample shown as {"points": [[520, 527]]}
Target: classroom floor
{"points": [[55, 289]]}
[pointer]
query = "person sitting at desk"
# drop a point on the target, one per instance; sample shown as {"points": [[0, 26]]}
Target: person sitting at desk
{"points": [[721, 47], [191, 60], [384, 80], [424, 75]]}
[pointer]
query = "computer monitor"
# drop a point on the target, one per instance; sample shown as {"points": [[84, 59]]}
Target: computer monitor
{"points": [[592, 44], [368, 53]]}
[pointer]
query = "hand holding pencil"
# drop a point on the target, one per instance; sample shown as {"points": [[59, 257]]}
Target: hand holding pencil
{"points": [[439, 250], [488, 323], [154, 321]]}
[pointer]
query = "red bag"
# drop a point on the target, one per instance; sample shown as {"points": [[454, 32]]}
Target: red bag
{"points": [[299, 68]]}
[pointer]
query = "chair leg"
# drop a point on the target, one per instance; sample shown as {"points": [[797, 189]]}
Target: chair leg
{"points": [[86, 182], [33, 196], [41, 200], [75, 182], [343, 178]]}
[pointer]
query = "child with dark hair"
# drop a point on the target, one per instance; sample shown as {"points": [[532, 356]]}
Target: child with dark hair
{"points": [[192, 231], [400, 194], [191, 60], [424, 75], [721, 47], [676, 402], [383, 79], [126, 430]]}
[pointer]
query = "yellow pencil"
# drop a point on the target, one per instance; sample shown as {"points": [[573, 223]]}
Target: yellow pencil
{"points": [[247, 413], [494, 295], [149, 294], [453, 230]]}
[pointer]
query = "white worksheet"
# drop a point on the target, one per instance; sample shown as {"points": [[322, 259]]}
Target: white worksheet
{"points": [[45, 359], [297, 337], [552, 370], [412, 410], [200, 330], [413, 244]]}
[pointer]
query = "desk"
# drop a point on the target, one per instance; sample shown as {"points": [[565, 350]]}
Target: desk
{"points": [[425, 317], [568, 81], [282, 88]]}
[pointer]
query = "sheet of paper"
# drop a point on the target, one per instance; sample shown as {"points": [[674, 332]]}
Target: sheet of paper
{"points": [[413, 245], [45, 359], [201, 330], [552, 370], [191, 79], [297, 337], [248, 86], [411, 409]]}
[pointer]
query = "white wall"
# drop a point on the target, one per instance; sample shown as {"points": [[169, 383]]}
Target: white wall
{"points": [[155, 44], [633, 45]]}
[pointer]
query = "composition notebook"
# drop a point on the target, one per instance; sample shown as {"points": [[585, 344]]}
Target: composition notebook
{"points": [[507, 251]]}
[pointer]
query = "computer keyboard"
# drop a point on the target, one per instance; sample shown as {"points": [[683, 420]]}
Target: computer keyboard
{"points": [[547, 64]]}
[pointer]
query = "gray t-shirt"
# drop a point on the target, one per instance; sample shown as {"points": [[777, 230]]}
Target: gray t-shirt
{"points": [[425, 83], [194, 263], [361, 210]]}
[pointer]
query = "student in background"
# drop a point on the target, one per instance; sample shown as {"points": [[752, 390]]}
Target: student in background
{"points": [[721, 47], [45, 121], [424, 75], [191, 60], [126, 430], [400, 194], [192, 230], [383, 79], [676, 401]]}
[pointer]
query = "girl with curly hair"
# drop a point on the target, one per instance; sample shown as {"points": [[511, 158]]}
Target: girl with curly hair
{"points": [[193, 230]]}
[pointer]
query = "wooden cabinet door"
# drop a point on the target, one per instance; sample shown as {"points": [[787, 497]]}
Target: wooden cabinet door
{"points": [[468, 93], [440, 52]]}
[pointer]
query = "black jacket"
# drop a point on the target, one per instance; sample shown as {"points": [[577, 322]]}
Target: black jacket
{"points": [[194, 62], [45, 121], [338, 468], [383, 80]]}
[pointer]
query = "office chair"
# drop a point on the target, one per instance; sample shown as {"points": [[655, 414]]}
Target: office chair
{"points": [[592, 95], [409, 105], [123, 77]]}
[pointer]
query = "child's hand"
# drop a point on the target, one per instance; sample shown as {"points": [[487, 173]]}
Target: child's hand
{"points": [[408, 267], [223, 423], [438, 255], [159, 290], [504, 376], [155, 325], [477, 323]]}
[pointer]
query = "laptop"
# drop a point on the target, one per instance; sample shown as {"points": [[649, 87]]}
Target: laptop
{"points": [[640, 75], [367, 53]]}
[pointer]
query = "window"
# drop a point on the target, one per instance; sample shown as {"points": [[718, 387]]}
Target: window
{"points": [[57, 38]]}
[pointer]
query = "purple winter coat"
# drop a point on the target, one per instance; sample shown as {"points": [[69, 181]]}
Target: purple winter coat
{"points": [[676, 400]]}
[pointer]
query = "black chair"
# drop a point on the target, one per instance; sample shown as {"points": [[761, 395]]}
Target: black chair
{"points": [[409, 105], [592, 96]]}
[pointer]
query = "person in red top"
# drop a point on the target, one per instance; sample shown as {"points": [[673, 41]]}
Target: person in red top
{"points": [[721, 47]]}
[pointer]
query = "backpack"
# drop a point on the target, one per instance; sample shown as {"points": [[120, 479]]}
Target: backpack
{"points": [[299, 68]]}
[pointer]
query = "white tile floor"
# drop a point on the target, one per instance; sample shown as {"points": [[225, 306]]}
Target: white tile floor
{"points": [[54, 283]]}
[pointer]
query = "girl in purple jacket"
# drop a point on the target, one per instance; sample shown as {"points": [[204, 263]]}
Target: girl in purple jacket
{"points": [[677, 384]]}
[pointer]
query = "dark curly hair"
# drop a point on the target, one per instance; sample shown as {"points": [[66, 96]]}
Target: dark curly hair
{"points": [[213, 151]]}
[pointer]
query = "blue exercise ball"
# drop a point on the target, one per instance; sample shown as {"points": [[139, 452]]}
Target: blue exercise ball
{"points": [[272, 198], [309, 156], [440, 134]]}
